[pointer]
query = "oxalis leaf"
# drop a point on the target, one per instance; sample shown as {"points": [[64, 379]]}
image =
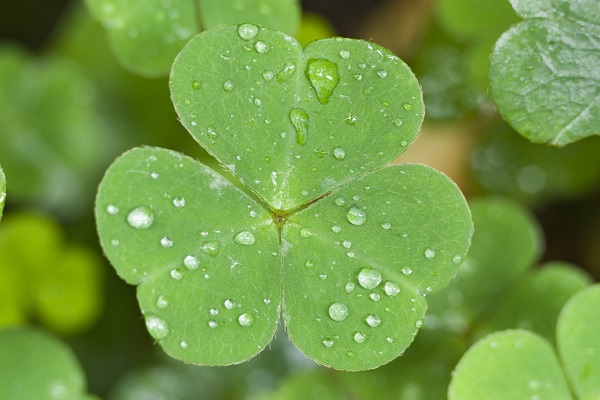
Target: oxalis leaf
{"points": [[344, 249], [544, 72]]}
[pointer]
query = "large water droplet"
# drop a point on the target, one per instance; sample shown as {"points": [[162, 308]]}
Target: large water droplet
{"points": [[191, 262], [339, 153], [162, 302], [245, 237], [338, 311], [373, 321], [324, 77], [360, 337], [245, 319], [158, 328], [211, 248], [140, 218], [391, 288], [299, 118], [357, 216], [247, 31], [369, 278]]}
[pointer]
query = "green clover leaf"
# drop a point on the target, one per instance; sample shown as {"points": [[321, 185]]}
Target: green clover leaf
{"points": [[544, 71], [344, 249]]}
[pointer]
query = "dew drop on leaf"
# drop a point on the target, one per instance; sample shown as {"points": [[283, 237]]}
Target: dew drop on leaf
{"points": [[245, 319], [261, 47], [166, 242], [176, 274], [212, 324], [245, 237], [345, 54], [268, 75], [375, 296], [140, 218], [369, 278], [158, 328], [305, 233], [228, 304], [357, 216], [211, 248], [350, 286], [338, 311], [340, 202], [398, 122], [323, 76], [419, 323], [386, 225], [373, 321], [214, 311], [299, 119], [191, 262], [360, 337], [328, 342], [347, 244], [408, 106], [391, 288], [406, 271], [456, 259], [429, 253], [228, 86], [247, 31], [286, 72], [339, 153], [112, 209], [179, 202], [196, 85], [310, 264], [162, 302]]}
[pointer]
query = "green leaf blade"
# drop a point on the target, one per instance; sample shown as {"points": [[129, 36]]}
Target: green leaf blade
{"points": [[578, 342], [316, 138], [416, 225], [206, 261]]}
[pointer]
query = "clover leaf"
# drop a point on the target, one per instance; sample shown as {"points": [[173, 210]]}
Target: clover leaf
{"points": [[544, 71], [343, 247], [2, 191], [146, 36]]}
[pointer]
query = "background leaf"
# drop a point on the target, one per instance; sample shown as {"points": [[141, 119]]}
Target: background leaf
{"points": [[321, 108], [515, 365], [579, 344], [34, 365], [554, 54]]}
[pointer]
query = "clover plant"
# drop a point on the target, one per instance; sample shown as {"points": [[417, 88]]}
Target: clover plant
{"points": [[554, 54], [342, 246], [35, 365], [146, 36], [522, 365]]}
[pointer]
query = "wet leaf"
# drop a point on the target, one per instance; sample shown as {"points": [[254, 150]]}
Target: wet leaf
{"points": [[579, 344], [34, 365], [544, 71], [344, 249]]}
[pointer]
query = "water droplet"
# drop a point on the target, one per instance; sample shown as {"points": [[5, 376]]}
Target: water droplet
{"points": [[386, 225], [286, 72], [456, 259], [114, 242], [324, 77], [369, 278], [347, 244], [162, 302], [382, 74], [390, 340], [305, 233], [228, 86], [340, 202], [211, 248], [245, 237], [247, 31], [345, 54], [406, 271], [228, 304], [176, 274], [310, 264], [419, 323], [398, 122], [154, 175], [245, 319], [338, 311], [350, 254], [391, 288], [375, 296], [357, 216], [166, 242], [299, 118], [140, 218], [350, 119], [328, 342], [351, 353], [408, 106], [404, 143], [336, 229], [339, 153], [213, 324], [268, 75], [179, 202], [304, 193], [112, 209], [261, 47], [258, 102], [360, 337], [373, 321], [158, 328], [429, 253], [323, 276], [196, 85], [214, 311], [191, 262], [350, 286], [183, 344]]}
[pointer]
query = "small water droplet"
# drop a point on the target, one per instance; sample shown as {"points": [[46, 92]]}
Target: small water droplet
{"points": [[304, 193], [350, 286], [357, 216], [158, 328], [245, 319], [404, 143], [323, 276], [369, 278], [299, 119], [336, 229], [345, 54], [212, 324], [339, 153], [429, 253], [228, 86], [228, 304], [286, 72], [360, 337], [386, 225], [382, 74], [191, 262], [419, 323], [196, 85], [406, 271], [211, 248], [347, 244], [340, 202], [261, 47], [179, 202], [162, 302], [268, 75], [456, 259], [350, 119], [176, 274], [140, 218], [398, 122], [112, 209], [351, 353], [247, 31], [350, 254], [166, 242], [408, 106], [324, 77], [375, 296], [183, 344], [328, 342], [245, 237], [390, 340], [391, 288], [310, 264], [373, 321], [115, 242], [338, 311], [214, 311], [305, 233]]}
